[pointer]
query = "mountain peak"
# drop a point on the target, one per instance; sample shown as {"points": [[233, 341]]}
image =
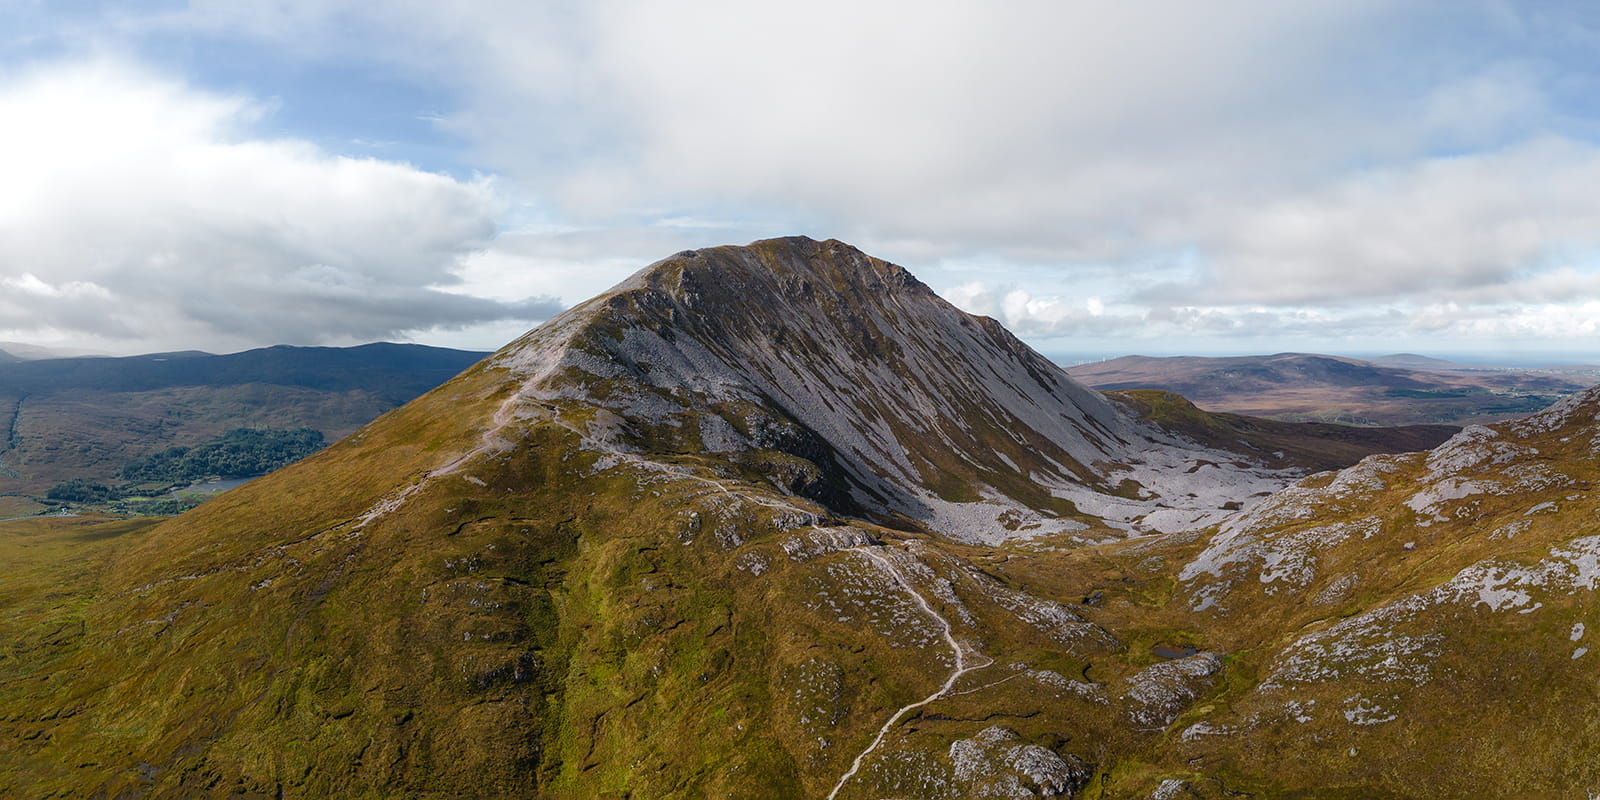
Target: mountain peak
{"points": [[903, 405], [746, 525], [796, 268]]}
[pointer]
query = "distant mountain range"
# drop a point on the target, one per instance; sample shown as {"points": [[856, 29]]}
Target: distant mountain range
{"points": [[85, 417], [19, 351], [1392, 390], [1415, 361]]}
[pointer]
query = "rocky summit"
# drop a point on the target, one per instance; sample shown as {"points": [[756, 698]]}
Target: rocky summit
{"points": [[777, 521]]}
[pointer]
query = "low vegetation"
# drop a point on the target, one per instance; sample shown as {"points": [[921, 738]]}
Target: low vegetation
{"points": [[86, 417], [79, 490], [157, 484], [239, 453]]}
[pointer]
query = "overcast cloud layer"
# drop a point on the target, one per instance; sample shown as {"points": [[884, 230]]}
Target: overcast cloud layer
{"points": [[134, 210], [1136, 176]]}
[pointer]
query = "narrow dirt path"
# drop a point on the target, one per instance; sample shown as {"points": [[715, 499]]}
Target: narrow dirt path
{"points": [[962, 666], [672, 470], [492, 441]]}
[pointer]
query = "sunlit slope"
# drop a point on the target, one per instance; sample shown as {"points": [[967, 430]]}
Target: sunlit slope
{"points": [[1415, 626]]}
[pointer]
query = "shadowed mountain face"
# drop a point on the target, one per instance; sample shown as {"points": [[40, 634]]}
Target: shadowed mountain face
{"points": [[765, 521]]}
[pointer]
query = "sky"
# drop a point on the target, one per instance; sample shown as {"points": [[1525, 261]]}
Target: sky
{"points": [[1105, 177]]}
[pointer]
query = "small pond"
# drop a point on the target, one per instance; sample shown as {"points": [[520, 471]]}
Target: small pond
{"points": [[1171, 651]]}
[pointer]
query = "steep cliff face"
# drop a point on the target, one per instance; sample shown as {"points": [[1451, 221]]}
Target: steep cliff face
{"points": [[766, 521]]}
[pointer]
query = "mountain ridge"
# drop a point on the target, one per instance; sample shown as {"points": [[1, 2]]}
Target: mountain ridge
{"points": [[997, 408], [618, 559]]}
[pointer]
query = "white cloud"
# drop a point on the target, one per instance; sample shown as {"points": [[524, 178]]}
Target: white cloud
{"points": [[1029, 315], [1241, 167], [1044, 119], [135, 207], [1486, 227], [28, 283], [1579, 322], [1069, 131], [1556, 322]]}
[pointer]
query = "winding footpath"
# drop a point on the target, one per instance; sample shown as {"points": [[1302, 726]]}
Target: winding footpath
{"points": [[492, 441], [962, 667]]}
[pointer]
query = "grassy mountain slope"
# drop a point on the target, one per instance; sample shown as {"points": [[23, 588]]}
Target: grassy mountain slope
{"points": [[650, 550], [1417, 625], [546, 628]]}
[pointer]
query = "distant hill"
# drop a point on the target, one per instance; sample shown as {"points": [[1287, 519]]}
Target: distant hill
{"points": [[1319, 388], [1548, 364], [387, 369], [84, 418], [22, 351], [1414, 361], [1305, 445]]}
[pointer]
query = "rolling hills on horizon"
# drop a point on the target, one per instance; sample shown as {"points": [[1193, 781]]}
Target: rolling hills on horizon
{"points": [[1403, 389], [22, 351], [778, 521]]}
